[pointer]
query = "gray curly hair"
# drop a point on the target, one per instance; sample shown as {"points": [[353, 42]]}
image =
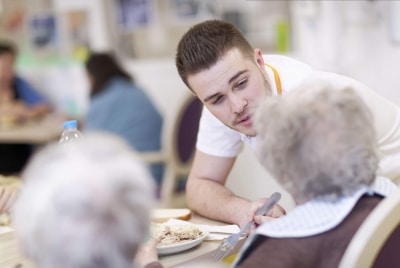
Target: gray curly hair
{"points": [[318, 141]]}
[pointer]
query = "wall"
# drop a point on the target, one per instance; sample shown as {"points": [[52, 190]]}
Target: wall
{"points": [[159, 78], [64, 86], [356, 38]]}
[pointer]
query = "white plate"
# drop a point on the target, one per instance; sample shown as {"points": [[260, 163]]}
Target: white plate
{"points": [[181, 246]]}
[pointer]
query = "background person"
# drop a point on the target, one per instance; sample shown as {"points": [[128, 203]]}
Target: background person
{"points": [[84, 205], [19, 102], [231, 78], [321, 147], [119, 106]]}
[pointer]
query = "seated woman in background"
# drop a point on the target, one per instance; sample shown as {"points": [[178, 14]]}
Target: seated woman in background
{"points": [[19, 102], [119, 106]]}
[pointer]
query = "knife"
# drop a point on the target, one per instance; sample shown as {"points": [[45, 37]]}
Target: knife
{"points": [[272, 200]]}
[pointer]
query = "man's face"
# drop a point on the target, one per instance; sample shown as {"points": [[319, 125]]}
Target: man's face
{"points": [[232, 89]]}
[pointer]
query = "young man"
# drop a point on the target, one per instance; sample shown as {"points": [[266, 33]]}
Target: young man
{"points": [[231, 78]]}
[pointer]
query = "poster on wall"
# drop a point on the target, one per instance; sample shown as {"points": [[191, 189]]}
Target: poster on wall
{"points": [[12, 18], [77, 33], [11, 24], [42, 33], [133, 14], [184, 10]]}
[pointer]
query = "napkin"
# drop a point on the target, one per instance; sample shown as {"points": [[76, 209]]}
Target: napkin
{"points": [[219, 232]]}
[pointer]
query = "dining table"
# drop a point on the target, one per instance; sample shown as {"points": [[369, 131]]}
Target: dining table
{"points": [[39, 131], [202, 255], [198, 256]]}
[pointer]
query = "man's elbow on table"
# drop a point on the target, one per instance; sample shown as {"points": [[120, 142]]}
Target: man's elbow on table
{"points": [[192, 196]]}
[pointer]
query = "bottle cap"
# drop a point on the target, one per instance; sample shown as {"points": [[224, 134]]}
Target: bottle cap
{"points": [[70, 124]]}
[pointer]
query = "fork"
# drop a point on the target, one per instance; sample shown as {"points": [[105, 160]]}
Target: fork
{"points": [[229, 243]]}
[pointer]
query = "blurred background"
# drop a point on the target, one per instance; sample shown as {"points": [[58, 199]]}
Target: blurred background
{"points": [[357, 38]]}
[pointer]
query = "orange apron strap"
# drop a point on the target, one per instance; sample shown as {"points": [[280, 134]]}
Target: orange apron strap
{"points": [[277, 79]]}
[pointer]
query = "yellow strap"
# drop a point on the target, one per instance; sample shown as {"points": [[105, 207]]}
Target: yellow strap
{"points": [[277, 79], [230, 259]]}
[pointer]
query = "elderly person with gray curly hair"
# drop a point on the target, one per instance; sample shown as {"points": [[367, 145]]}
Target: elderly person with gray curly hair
{"points": [[86, 204], [319, 143]]}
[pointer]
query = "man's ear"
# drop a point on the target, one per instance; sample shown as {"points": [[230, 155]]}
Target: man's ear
{"points": [[259, 58]]}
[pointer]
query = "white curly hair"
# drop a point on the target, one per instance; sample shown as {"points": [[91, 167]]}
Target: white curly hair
{"points": [[84, 204], [318, 140]]}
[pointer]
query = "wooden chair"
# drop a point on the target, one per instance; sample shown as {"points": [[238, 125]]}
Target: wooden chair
{"points": [[179, 136], [377, 242]]}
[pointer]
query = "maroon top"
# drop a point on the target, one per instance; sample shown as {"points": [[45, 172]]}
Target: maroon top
{"points": [[324, 250]]}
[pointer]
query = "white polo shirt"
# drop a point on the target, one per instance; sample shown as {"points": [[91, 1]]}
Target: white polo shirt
{"points": [[214, 138]]}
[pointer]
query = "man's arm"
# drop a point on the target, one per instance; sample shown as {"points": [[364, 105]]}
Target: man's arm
{"points": [[207, 195], [206, 192]]}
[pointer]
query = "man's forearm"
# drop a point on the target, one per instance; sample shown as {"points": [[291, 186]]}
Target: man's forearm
{"points": [[215, 201]]}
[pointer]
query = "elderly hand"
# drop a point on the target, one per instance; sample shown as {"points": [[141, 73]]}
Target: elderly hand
{"points": [[147, 253], [7, 198]]}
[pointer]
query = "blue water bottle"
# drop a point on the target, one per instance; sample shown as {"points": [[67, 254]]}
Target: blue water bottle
{"points": [[70, 132]]}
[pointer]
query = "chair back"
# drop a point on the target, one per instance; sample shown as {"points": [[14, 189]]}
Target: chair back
{"points": [[179, 136], [184, 131], [377, 242]]}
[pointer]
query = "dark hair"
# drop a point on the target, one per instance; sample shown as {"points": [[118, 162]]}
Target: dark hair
{"points": [[7, 47], [205, 43], [102, 67]]}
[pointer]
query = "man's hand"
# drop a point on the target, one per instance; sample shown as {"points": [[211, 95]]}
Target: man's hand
{"points": [[276, 212], [7, 198]]}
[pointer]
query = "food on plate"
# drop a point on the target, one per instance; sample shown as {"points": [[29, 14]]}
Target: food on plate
{"points": [[164, 214], [172, 232]]}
